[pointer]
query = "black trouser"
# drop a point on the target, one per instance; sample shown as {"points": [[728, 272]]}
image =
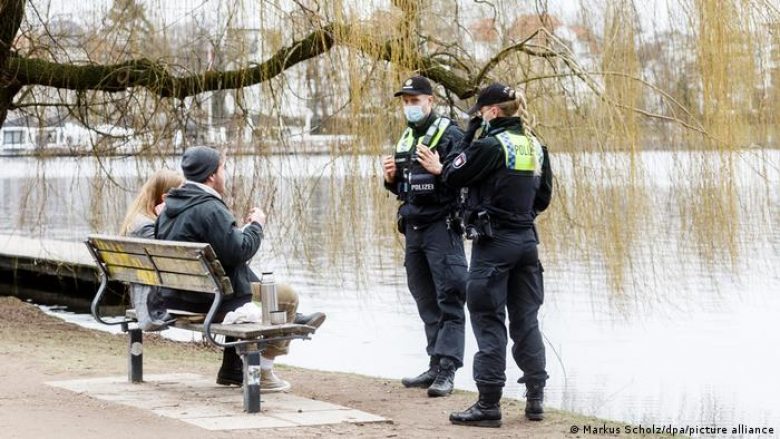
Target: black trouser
{"points": [[506, 276], [230, 359], [436, 275]]}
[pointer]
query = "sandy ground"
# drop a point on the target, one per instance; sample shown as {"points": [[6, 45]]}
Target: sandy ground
{"points": [[35, 348]]}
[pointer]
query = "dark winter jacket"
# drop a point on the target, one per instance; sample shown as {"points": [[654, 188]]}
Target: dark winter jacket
{"points": [[506, 194], [193, 215], [420, 210]]}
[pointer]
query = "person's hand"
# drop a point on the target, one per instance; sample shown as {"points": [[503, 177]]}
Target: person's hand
{"points": [[429, 160], [388, 165], [159, 208], [256, 215]]}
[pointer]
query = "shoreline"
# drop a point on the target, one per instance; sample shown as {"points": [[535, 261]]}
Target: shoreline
{"points": [[37, 348]]}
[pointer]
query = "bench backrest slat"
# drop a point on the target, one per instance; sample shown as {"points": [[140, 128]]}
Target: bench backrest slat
{"points": [[185, 266], [178, 281], [152, 247], [161, 263], [202, 283], [169, 264], [129, 260]]}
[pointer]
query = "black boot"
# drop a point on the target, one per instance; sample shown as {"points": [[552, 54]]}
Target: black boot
{"points": [[444, 382], [231, 372], [485, 413], [314, 319], [425, 379], [534, 397]]}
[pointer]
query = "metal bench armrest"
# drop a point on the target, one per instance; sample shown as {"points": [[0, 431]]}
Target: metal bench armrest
{"points": [[209, 320], [95, 307]]}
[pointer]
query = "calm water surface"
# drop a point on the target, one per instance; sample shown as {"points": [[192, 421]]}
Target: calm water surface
{"points": [[688, 341]]}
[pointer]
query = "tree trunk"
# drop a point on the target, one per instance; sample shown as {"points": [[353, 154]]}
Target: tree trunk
{"points": [[11, 13]]}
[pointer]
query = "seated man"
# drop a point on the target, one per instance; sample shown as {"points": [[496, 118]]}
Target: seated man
{"points": [[195, 212]]}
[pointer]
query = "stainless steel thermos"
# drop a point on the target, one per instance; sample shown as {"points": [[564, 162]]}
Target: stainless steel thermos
{"points": [[268, 296]]}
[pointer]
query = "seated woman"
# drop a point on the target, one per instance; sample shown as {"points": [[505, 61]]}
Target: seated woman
{"points": [[139, 223]]}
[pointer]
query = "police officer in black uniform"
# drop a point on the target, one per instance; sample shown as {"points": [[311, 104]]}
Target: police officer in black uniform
{"points": [[435, 262], [503, 172]]}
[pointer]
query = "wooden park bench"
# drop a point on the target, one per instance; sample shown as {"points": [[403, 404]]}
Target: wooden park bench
{"points": [[189, 267]]}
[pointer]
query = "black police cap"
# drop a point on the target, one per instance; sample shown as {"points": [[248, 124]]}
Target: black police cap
{"points": [[493, 94], [416, 85]]}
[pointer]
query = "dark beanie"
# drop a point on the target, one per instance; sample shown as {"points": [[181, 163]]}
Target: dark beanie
{"points": [[199, 162]]}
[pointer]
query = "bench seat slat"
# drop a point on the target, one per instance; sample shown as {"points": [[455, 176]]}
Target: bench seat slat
{"points": [[246, 331], [193, 322]]}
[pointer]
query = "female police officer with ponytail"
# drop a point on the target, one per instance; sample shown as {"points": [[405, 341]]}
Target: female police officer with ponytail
{"points": [[435, 261], [503, 171]]}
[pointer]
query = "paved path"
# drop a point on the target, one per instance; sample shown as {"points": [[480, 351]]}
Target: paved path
{"points": [[198, 401]]}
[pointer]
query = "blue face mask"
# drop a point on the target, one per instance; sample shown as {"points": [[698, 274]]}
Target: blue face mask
{"points": [[414, 113]]}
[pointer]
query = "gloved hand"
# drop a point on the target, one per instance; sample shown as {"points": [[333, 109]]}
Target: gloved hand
{"points": [[474, 124], [471, 129]]}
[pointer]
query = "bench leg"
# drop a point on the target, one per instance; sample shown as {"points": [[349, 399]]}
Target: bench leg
{"points": [[251, 381], [135, 355]]}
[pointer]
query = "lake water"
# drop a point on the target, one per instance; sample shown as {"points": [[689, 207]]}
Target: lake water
{"points": [[691, 338]]}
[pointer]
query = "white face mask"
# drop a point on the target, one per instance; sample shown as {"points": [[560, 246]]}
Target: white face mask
{"points": [[414, 113], [486, 121]]}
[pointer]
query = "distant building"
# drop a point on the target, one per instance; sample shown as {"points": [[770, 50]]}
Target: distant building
{"points": [[25, 135]]}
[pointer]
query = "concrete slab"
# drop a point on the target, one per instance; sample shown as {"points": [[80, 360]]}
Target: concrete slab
{"points": [[285, 402], [246, 422], [198, 401], [195, 411], [116, 384], [321, 417]]}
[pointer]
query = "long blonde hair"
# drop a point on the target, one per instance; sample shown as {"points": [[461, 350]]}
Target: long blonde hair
{"points": [[151, 195]]}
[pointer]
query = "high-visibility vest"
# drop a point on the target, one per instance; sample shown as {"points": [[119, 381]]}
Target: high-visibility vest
{"points": [[404, 151], [508, 194], [430, 139], [522, 153]]}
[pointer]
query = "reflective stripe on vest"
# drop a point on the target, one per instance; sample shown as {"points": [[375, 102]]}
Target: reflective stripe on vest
{"points": [[436, 130], [522, 153]]}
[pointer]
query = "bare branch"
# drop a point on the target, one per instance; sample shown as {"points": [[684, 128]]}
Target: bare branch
{"points": [[500, 56], [156, 76], [40, 105]]}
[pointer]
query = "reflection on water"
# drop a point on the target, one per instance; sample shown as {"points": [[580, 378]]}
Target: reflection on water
{"points": [[690, 338]]}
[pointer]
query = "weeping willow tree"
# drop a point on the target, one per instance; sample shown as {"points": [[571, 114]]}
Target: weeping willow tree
{"points": [[604, 87]]}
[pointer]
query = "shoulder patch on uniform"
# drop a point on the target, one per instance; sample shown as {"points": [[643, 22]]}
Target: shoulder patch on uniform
{"points": [[459, 161]]}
